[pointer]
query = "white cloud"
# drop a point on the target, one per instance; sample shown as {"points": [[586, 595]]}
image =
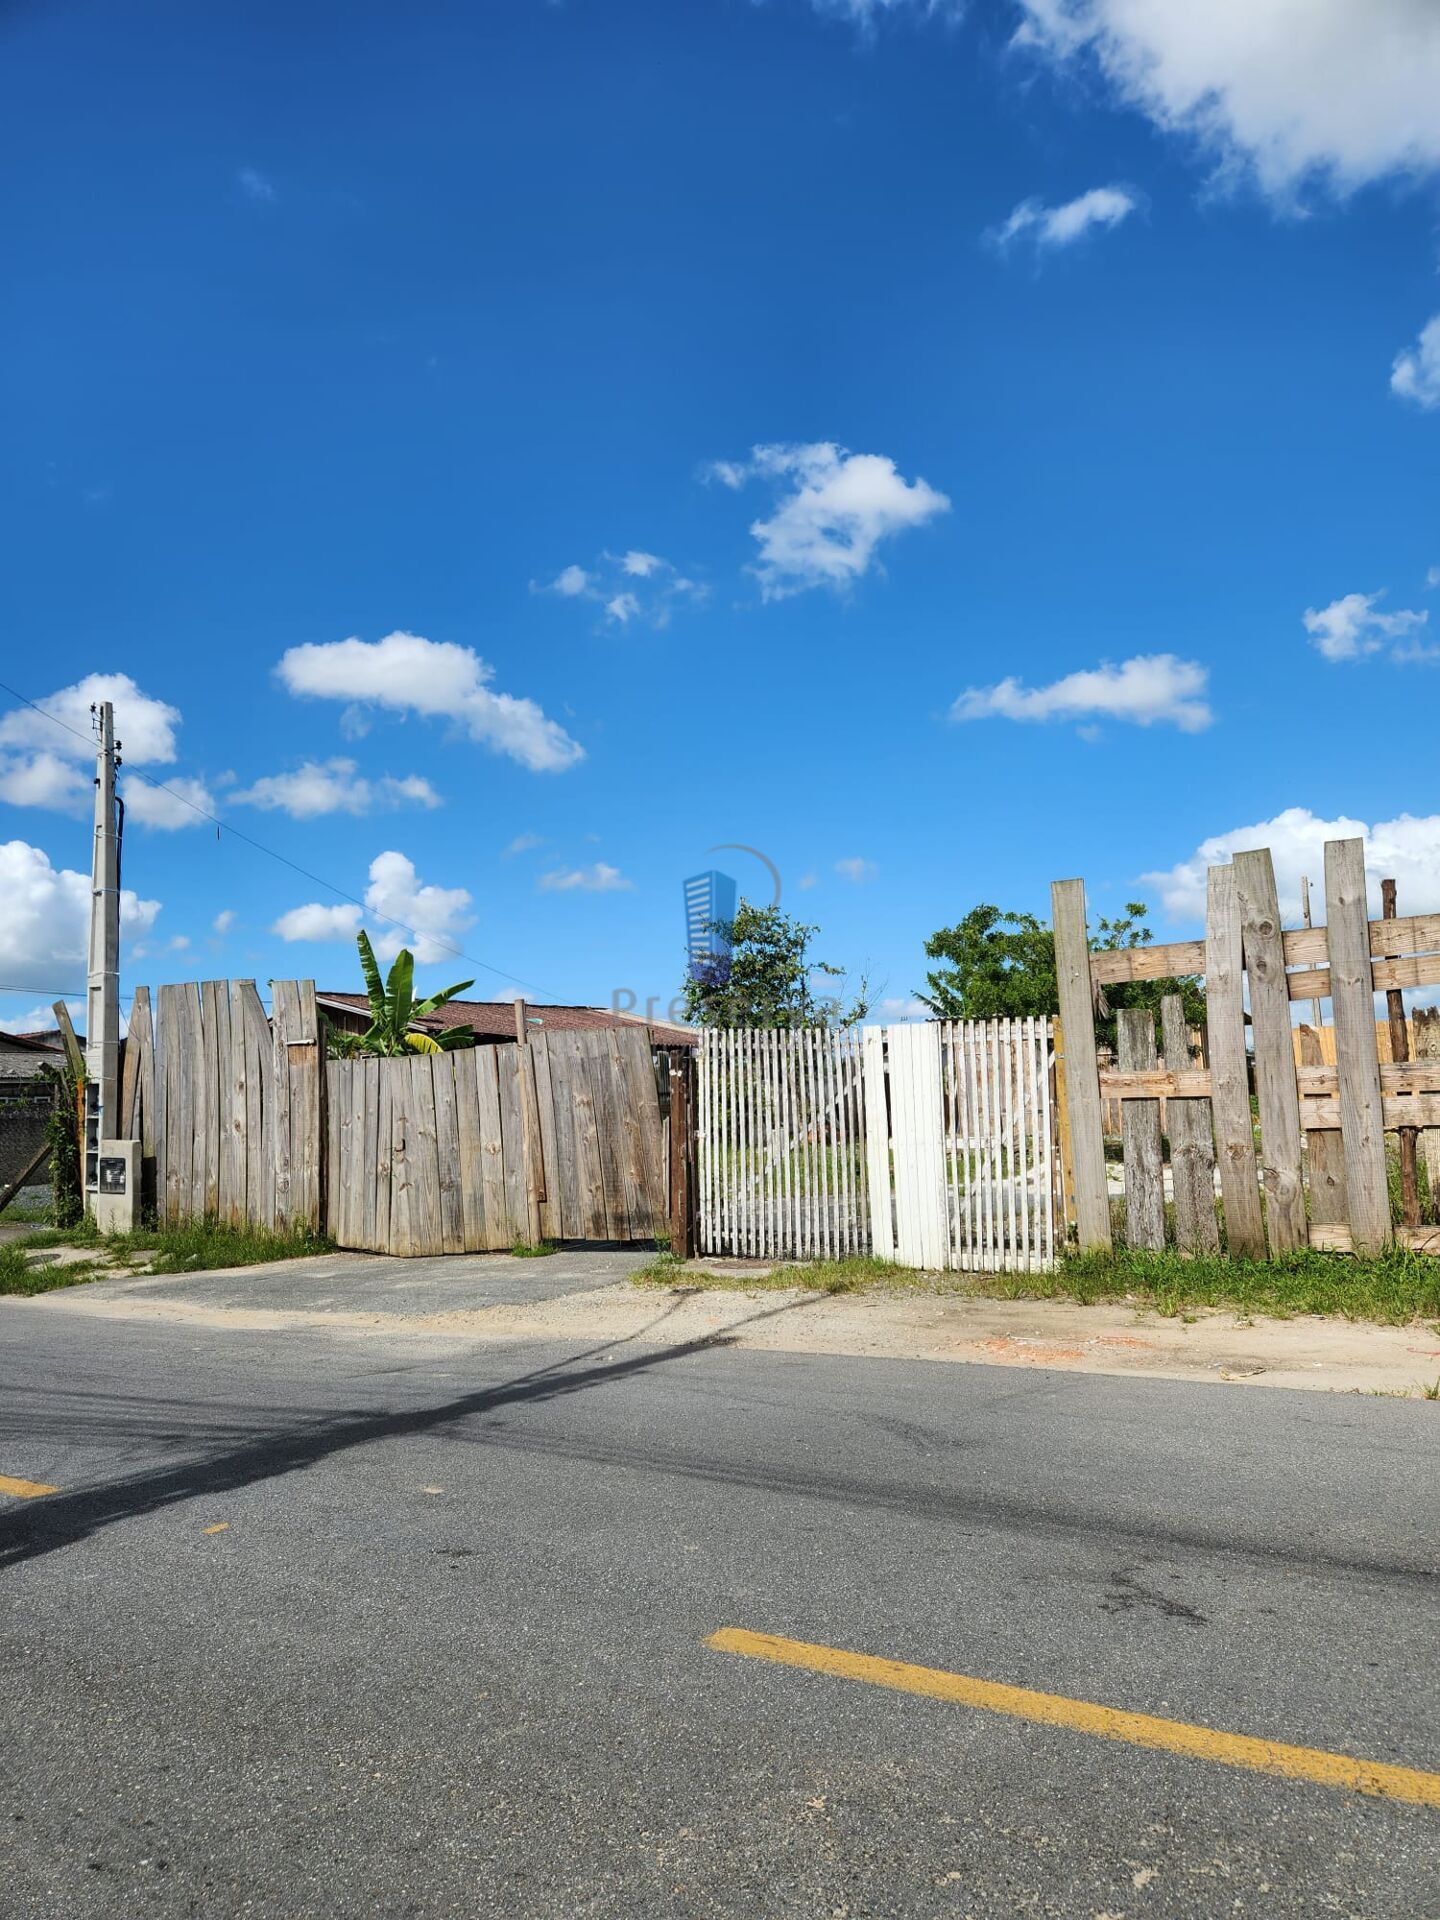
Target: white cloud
{"points": [[224, 920], [409, 912], [1351, 626], [335, 786], [835, 510], [45, 780], [1416, 372], [1150, 688], [598, 878], [170, 806], [1406, 849], [522, 843], [623, 607], [1292, 93], [808, 880], [314, 922], [866, 14], [903, 1009], [1062, 226], [1432, 578], [144, 726], [641, 565], [45, 926], [41, 1018], [254, 185], [571, 582], [856, 870], [406, 673]]}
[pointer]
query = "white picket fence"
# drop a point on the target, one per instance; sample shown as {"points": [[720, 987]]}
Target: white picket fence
{"points": [[931, 1145]]}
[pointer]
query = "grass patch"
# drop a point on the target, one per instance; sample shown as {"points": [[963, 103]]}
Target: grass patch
{"points": [[18, 1276], [1392, 1288], [534, 1249], [196, 1246]]}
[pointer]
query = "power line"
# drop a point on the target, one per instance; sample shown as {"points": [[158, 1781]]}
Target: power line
{"points": [[223, 826]]}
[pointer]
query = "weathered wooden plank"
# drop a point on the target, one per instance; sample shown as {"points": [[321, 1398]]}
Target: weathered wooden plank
{"points": [[1304, 947], [425, 1231], [247, 1012], [1425, 1025], [1396, 1076], [500, 1227], [545, 1120], [1229, 1066], [1192, 1144], [1396, 1111], [1140, 1129], [1324, 1152], [604, 1096], [472, 1179], [282, 1022], [1148, 963], [1082, 1087], [342, 1077], [207, 1093], [447, 1154], [305, 1062], [1161, 1083], [1352, 994], [1278, 1097], [367, 1109], [592, 1178], [512, 1129], [635, 1220], [383, 1079], [1339, 1239], [1399, 1030], [334, 1165], [162, 1041], [402, 1171], [1422, 971]]}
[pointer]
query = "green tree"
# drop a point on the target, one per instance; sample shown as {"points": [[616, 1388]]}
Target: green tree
{"points": [[770, 979], [999, 965], [394, 1011]]}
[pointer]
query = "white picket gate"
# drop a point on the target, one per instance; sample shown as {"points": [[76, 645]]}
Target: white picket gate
{"points": [[931, 1145]]}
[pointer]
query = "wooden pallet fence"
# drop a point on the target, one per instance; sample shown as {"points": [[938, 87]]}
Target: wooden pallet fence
{"points": [[780, 1156], [444, 1153], [226, 1102], [1325, 1105]]}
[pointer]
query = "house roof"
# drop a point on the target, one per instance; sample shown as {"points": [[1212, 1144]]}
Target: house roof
{"points": [[50, 1042], [495, 1019]]}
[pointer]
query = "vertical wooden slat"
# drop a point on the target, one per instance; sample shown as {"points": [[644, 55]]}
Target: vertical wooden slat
{"points": [[1229, 1067], [164, 1171], [367, 1108], [1054, 1219], [1192, 1145], [200, 1075], [402, 1237], [877, 1145], [512, 1125], [447, 1153], [1324, 1147], [500, 1230], [305, 1062], [1425, 1022], [349, 1170], [334, 1169], [1357, 1060], [1082, 1082], [467, 1119], [282, 1022], [1278, 1096], [545, 1114], [382, 1084], [1140, 1131], [247, 1012], [1400, 1052], [424, 1159]]}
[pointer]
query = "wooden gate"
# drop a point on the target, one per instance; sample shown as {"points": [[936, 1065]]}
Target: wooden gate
{"points": [[959, 1141], [472, 1151]]}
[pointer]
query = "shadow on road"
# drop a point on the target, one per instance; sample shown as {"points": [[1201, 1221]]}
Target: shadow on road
{"points": [[66, 1518]]}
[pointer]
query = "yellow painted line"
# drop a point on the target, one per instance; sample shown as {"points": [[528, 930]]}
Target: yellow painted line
{"points": [[1083, 1716], [25, 1489], [219, 1527]]}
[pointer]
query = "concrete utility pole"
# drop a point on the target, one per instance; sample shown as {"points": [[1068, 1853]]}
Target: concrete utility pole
{"points": [[102, 1007]]}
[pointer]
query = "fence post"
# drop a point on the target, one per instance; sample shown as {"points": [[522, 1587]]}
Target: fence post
{"points": [[1275, 1085], [1357, 1057], [530, 1125], [1082, 1080], [1230, 1067], [682, 1144]]}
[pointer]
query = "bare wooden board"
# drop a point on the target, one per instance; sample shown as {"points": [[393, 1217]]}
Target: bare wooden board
{"points": [[447, 1154], [384, 1137], [1159, 1083], [1425, 1027], [425, 1231], [500, 1228], [1144, 1169], [512, 1130], [259, 1102], [1192, 1144], [1087, 1143], [1324, 1152], [1357, 1058], [1339, 1239], [545, 1117], [1230, 1067], [1305, 947], [1278, 1097], [472, 1183], [402, 1171]]}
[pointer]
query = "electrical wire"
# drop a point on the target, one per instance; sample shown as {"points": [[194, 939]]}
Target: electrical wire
{"points": [[223, 826]]}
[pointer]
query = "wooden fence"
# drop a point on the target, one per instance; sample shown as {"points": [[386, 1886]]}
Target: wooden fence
{"points": [[226, 1102], [1318, 1174], [475, 1150]]}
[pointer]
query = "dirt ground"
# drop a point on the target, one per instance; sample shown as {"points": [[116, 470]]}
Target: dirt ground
{"points": [[588, 1297]]}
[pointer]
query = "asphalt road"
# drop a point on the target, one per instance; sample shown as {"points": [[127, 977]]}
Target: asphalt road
{"points": [[446, 1653]]}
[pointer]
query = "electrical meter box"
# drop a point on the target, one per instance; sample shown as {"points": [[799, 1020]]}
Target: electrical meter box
{"points": [[117, 1186]]}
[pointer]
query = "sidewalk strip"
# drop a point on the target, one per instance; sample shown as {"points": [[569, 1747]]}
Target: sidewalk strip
{"points": [[25, 1489], [1084, 1716]]}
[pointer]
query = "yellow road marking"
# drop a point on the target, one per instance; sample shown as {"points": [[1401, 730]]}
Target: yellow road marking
{"points": [[1083, 1716], [219, 1527], [25, 1489]]}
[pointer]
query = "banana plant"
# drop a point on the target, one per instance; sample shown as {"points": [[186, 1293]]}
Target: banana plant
{"points": [[394, 1009]]}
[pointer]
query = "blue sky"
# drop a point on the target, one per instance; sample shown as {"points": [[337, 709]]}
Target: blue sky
{"points": [[904, 439]]}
